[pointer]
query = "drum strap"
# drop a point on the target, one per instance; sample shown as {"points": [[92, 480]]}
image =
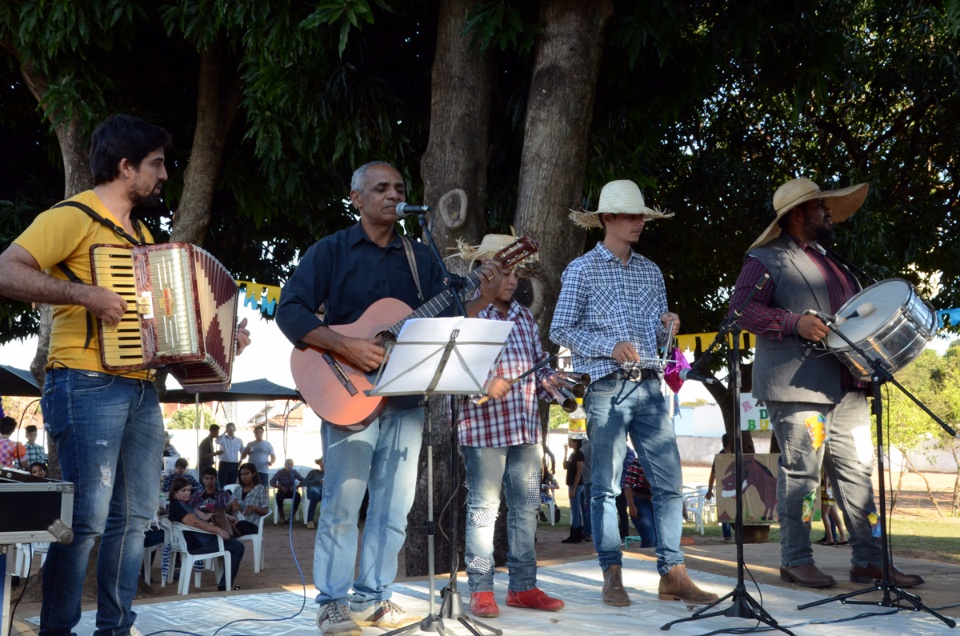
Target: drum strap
{"points": [[853, 268]]}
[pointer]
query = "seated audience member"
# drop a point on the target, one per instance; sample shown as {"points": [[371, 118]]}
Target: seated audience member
{"points": [[285, 481], [640, 503], [12, 453], [180, 470], [168, 449], [39, 469], [210, 497], [35, 452], [727, 443], [249, 501], [313, 482], [548, 483], [197, 543]]}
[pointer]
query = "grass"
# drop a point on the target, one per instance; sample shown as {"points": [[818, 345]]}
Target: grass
{"points": [[927, 537]]}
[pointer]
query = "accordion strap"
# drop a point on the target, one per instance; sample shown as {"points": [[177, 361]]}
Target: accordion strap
{"points": [[71, 275]]}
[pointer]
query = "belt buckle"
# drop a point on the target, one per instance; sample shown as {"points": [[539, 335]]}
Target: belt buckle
{"points": [[633, 374]]}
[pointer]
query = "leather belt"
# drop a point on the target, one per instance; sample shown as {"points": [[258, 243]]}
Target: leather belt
{"points": [[632, 375]]}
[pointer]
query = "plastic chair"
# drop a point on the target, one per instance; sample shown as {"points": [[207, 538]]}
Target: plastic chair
{"points": [[26, 556], [188, 559], [256, 540], [693, 499]]}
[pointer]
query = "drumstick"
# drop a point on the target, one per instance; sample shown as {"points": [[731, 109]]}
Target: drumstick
{"points": [[533, 369]]}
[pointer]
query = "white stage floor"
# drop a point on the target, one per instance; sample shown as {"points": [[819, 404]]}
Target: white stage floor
{"points": [[577, 583]]}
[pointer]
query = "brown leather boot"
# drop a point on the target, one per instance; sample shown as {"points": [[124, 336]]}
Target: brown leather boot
{"points": [[675, 585], [613, 592]]}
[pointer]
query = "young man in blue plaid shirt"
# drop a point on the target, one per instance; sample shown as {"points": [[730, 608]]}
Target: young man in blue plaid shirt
{"points": [[500, 442], [612, 314]]}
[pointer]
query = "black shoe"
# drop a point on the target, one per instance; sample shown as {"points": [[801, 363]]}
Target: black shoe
{"points": [[576, 536]]}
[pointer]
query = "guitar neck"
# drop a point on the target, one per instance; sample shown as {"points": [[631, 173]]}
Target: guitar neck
{"points": [[433, 307]]}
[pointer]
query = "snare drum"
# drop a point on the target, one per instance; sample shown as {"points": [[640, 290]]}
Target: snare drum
{"points": [[896, 327]]}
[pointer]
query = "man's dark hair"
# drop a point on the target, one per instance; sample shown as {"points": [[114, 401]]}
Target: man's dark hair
{"points": [[31, 429], [209, 470], [7, 425], [123, 137], [215, 427], [181, 462]]}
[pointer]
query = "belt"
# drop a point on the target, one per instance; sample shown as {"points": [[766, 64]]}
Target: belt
{"points": [[632, 375]]}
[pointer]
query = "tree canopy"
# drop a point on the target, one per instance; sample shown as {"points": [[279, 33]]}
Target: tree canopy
{"points": [[707, 105]]}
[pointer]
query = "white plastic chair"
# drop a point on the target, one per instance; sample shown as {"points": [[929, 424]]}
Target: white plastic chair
{"points": [[188, 559], [27, 556], [256, 540], [693, 499]]}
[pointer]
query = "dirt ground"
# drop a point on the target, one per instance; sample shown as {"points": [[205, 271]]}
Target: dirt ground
{"points": [[288, 551]]}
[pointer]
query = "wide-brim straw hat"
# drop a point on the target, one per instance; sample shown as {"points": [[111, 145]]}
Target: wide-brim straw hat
{"points": [[488, 248], [618, 197], [843, 203]]}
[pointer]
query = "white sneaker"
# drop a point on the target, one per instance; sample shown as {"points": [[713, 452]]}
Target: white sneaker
{"points": [[386, 614], [334, 619], [135, 632]]}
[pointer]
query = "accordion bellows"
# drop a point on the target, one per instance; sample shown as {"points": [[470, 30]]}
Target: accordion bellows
{"points": [[181, 312]]}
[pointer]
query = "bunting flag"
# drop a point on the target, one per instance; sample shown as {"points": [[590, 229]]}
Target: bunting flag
{"points": [[699, 342], [260, 297], [948, 318]]}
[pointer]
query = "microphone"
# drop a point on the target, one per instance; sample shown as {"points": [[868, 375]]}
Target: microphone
{"points": [[862, 311], [405, 209], [687, 374]]}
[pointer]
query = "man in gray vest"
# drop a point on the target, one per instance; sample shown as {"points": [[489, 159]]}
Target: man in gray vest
{"points": [[817, 408]]}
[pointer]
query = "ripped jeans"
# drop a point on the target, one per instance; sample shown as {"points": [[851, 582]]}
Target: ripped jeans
{"points": [[517, 468], [109, 436]]}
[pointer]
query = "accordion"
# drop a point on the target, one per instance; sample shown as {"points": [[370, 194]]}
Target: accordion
{"points": [[181, 312]]}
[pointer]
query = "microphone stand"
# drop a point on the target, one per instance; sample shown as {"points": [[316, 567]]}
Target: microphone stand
{"points": [[452, 604], [742, 604], [891, 593]]}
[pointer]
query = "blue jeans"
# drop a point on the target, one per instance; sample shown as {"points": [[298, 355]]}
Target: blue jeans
{"points": [[616, 408], [846, 452], [383, 458], [644, 522], [314, 496], [576, 508], [109, 433], [517, 469]]}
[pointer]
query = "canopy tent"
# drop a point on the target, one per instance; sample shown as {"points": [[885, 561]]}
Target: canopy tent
{"points": [[18, 382], [251, 391]]}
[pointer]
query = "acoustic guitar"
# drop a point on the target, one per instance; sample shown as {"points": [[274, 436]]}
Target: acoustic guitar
{"points": [[335, 389]]}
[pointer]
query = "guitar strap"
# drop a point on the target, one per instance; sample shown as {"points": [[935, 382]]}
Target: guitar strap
{"points": [[412, 260]]}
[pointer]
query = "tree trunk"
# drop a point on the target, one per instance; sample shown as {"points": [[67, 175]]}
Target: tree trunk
{"points": [[455, 159], [218, 97], [926, 483], [556, 141], [456, 156], [955, 506]]}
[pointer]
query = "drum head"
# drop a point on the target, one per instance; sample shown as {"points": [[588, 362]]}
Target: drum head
{"points": [[886, 297]]}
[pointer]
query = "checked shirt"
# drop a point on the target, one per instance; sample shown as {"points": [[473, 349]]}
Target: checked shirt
{"points": [[515, 418], [603, 302]]}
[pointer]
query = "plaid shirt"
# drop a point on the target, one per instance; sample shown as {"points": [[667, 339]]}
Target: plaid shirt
{"points": [[11, 453], [205, 501], [256, 497], [603, 302], [515, 418], [35, 454], [284, 478]]}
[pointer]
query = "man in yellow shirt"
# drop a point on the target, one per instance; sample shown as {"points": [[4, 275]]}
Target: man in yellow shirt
{"points": [[107, 426]]}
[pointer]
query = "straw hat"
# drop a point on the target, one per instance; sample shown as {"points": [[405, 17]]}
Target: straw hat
{"points": [[844, 203], [488, 248], [618, 197]]}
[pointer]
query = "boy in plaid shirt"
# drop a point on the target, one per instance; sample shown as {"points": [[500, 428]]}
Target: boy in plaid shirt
{"points": [[500, 442]]}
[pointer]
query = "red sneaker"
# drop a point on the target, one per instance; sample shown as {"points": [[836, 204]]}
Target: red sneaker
{"points": [[534, 598], [484, 605]]}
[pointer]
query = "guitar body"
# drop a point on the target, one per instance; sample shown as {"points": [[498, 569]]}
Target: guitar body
{"points": [[319, 383]]}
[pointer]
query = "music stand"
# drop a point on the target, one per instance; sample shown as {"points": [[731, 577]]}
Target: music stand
{"points": [[891, 593], [742, 604], [441, 356]]}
